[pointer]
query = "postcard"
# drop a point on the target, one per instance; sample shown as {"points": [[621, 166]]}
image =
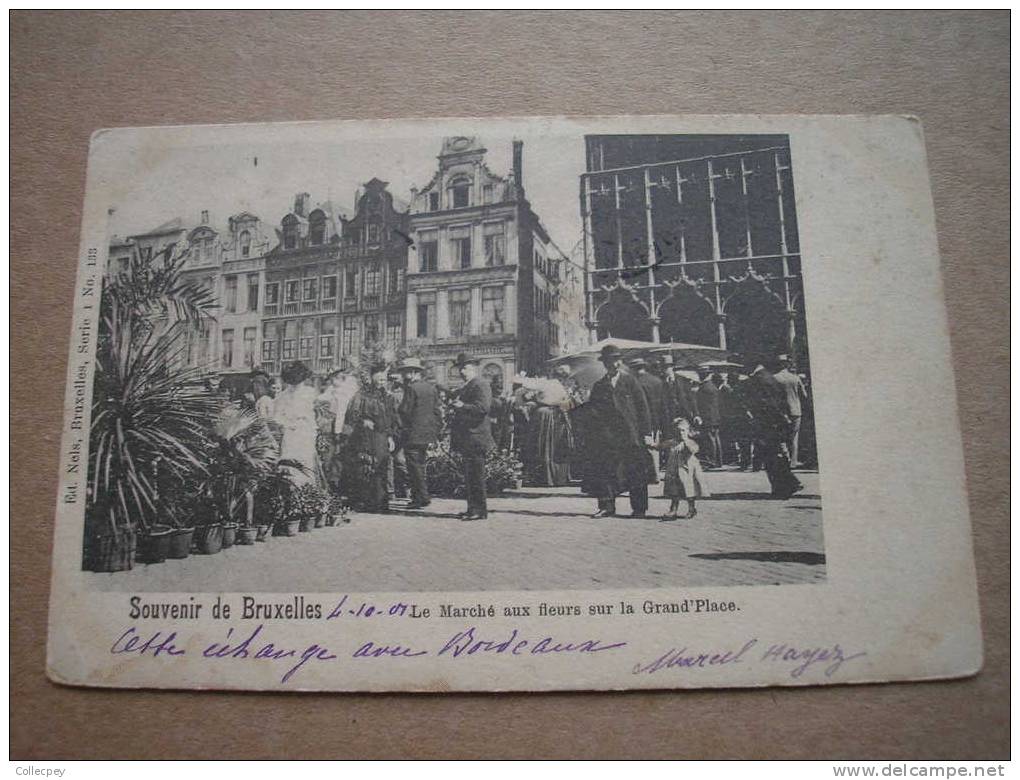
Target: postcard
{"points": [[511, 404]]}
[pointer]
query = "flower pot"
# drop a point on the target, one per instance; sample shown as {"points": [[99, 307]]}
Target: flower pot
{"points": [[229, 534], [154, 544], [262, 533], [112, 553], [332, 520], [286, 528], [208, 539], [306, 524], [320, 520], [247, 534], [180, 543]]}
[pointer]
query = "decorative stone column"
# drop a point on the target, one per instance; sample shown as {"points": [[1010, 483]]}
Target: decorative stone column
{"points": [[510, 308], [476, 310], [442, 314], [411, 317]]}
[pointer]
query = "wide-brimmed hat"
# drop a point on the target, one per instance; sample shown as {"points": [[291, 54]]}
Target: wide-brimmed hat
{"points": [[610, 352], [296, 373], [464, 359], [666, 358], [410, 364], [638, 362]]}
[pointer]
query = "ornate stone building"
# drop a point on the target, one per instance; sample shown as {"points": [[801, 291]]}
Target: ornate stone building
{"points": [[694, 239], [334, 284], [483, 273]]}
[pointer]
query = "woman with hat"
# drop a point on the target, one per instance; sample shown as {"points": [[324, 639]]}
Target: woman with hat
{"points": [[372, 418], [471, 434], [294, 412]]}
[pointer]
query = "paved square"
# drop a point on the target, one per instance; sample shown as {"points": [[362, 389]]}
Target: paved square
{"points": [[534, 539]]}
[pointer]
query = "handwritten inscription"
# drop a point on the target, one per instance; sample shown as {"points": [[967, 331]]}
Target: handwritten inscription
{"points": [[798, 659]]}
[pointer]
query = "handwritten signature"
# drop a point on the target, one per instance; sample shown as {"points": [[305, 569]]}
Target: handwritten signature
{"points": [[799, 658]]}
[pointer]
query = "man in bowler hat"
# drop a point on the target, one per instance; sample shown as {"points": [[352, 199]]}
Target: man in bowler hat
{"points": [[420, 423], [620, 436], [471, 434]]}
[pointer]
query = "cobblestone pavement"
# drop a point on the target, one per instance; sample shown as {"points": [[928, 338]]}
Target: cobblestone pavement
{"points": [[534, 539]]}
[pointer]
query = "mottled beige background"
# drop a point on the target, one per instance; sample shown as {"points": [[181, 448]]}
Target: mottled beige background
{"points": [[74, 72]]}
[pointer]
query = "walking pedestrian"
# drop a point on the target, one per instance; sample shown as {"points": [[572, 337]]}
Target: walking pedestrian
{"points": [[768, 405], [420, 423], [711, 418], [684, 478], [618, 438], [471, 434], [793, 393]]}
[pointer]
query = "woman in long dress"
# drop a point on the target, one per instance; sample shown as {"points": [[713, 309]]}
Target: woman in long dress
{"points": [[294, 411]]}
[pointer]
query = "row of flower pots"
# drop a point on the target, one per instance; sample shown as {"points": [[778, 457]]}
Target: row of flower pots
{"points": [[161, 542]]}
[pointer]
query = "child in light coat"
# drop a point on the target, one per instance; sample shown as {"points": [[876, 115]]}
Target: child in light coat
{"points": [[684, 476]]}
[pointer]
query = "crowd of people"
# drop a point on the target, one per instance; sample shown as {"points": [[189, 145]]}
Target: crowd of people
{"points": [[366, 440]]}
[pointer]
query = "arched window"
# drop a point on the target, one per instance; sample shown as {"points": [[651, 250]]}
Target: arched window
{"points": [[245, 241], [290, 232], [317, 227], [460, 192]]}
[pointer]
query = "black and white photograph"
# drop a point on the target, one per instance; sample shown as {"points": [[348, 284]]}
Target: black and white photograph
{"points": [[465, 362]]}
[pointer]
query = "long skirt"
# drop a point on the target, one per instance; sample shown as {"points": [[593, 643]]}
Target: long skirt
{"points": [[548, 447]]}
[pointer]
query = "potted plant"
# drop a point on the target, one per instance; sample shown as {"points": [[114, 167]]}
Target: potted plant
{"points": [[243, 453], [307, 506], [274, 500], [150, 414], [336, 511], [208, 528]]}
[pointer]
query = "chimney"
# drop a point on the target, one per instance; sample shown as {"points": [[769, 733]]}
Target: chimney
{"points": [[518, 164], [301, 204], [205, 217]]}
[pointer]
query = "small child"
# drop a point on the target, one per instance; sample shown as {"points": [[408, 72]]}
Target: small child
{"points": [[684, 477]]}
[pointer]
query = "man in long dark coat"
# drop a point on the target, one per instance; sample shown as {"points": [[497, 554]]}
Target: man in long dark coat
{"points": [[711, 419], [619, 435], [471, 433], [420, 423], [768, 405]]}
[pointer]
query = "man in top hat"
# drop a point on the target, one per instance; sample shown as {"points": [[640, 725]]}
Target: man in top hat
{"points": [[619, 436], [420, 423], [794, 393], [471, 434]]}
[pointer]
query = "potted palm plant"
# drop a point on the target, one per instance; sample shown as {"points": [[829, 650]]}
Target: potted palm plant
{"points": [[150, 414], [243, 455], [274, 499]]}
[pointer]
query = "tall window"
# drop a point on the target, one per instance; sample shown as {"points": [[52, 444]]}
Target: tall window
{"points": [[317, 227], [460, 312], [460, 193], [290, 340], [207, 249], [228, 349], [495, 243], [290, 232], [311, 289], [433, 201], [428, 252], [245, 241], [231, 293], [393, 328], [373, 282], [291, 291], [395, 279], [350, 335], [272, 294], [371, 328], [487, 193], [253, 292], [307, 342], [426, 325], [329, 288], [460, 247], [493, 320], [351, 283], [270, 343], [328, 337], [373, 232], [249, 346]]}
